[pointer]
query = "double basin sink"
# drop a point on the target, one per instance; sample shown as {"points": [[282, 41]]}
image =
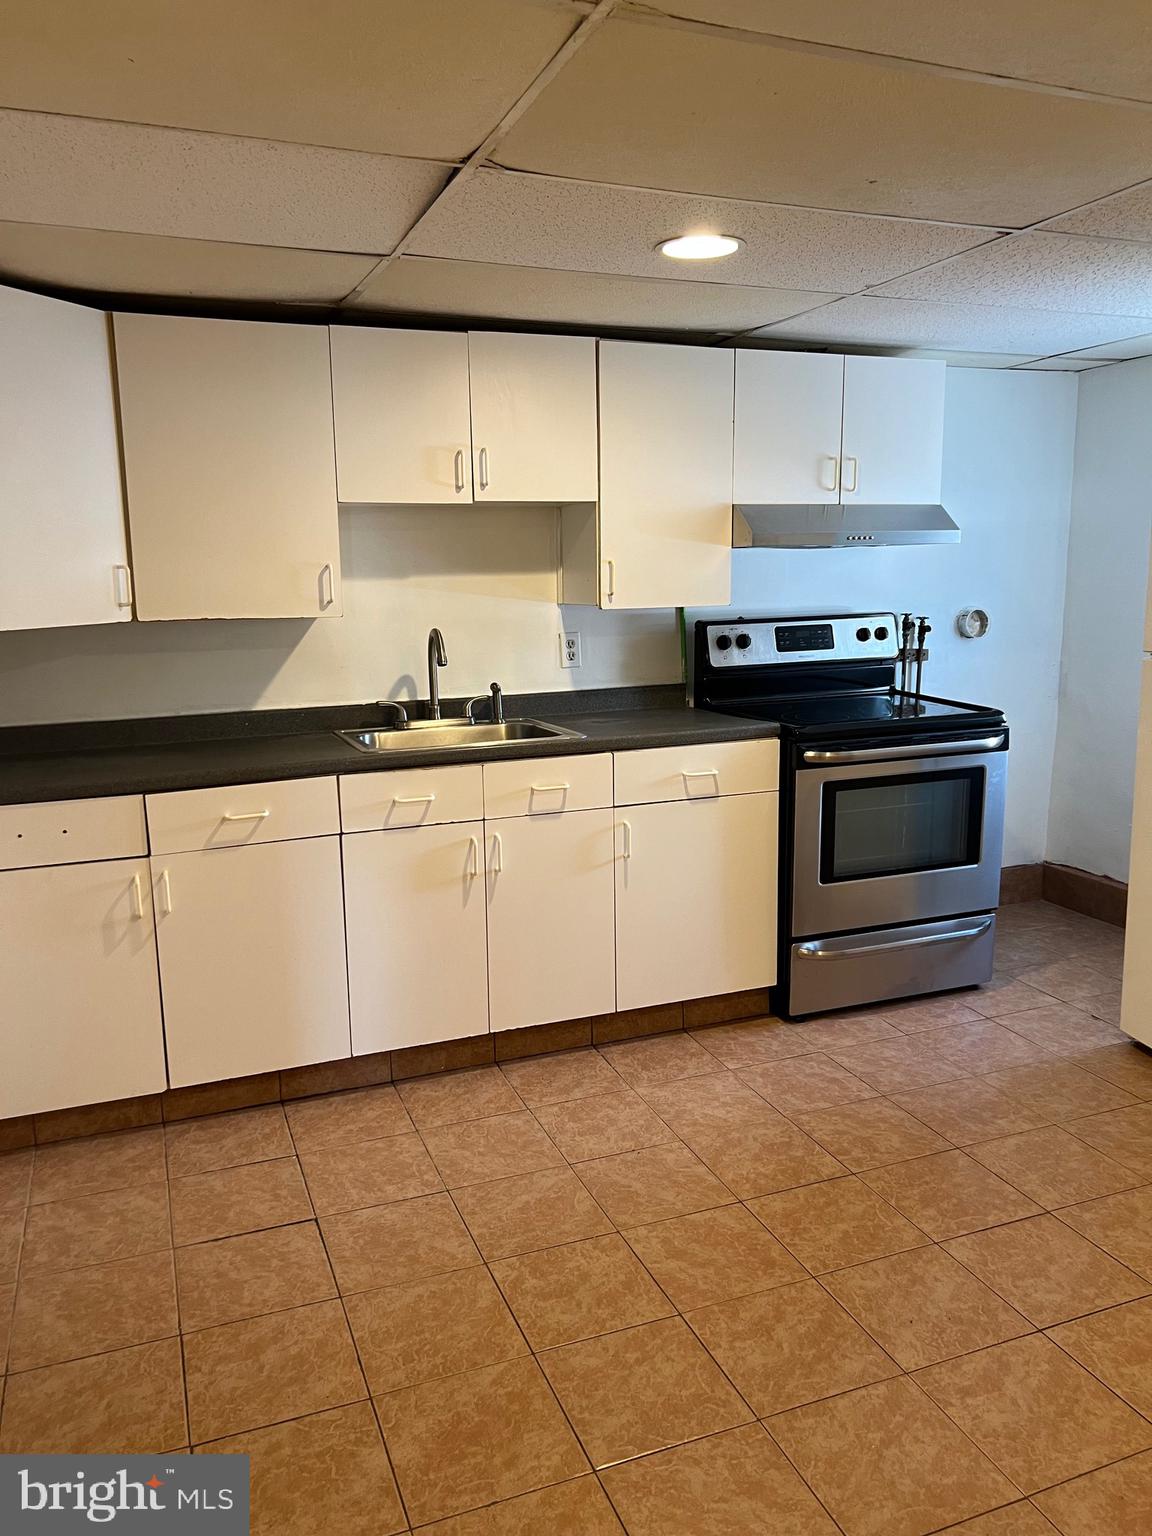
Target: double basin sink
{"points": [[437, 735]]}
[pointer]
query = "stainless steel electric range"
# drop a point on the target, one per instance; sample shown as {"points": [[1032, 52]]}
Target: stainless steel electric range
{"points": [[891, 806]]}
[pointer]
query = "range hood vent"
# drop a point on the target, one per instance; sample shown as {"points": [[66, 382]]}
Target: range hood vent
{"points": [[802, 526]]}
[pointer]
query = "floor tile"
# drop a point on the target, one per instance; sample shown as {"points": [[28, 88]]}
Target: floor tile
{"points": [[67, 1314], [970, 1110], [806, 1082], [556, 1079], [1046, 1271], [1053, 1167], [1116, 1500], [440, 1326], [869, 1134], [95, 1229], [838, 1031], [244, 1375], [789, 1346], [617, 1122], [985, 1046], [224, 1141], [126, 1402], [641, 1390], [576, 1508], [528, 1211], [233, 1200], [923, 1307], [360, 1173], [1116, 1346], [727, 1485], [760, 1159], [495, 1148], [451, 1097], [326, 1472], [471, 1440], [1037, 1414], [1070, 981], [1124, 1134], [12, 1222], [752, 1042], [1021, 1519], [893, 1065], [7, 1301], [1126, 1066], [885, 1461], [1120, 1224], [16, 1178], [1002, 999], [363, 1115], [578, 1290], [948, 1194], [660, 1058], [836, 1223], [633, 1188], [1059, 1089], [388, 1244], [237, 1277], [90, 1167], [915, 1016], [713, 1256], [715, 1102], [1064, 1028]]}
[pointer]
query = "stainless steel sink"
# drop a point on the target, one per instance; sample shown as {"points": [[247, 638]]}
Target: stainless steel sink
{"points": [[436, 735]]}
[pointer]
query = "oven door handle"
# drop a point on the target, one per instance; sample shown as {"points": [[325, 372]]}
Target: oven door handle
{"points": [[818, 951], [914, 749]]}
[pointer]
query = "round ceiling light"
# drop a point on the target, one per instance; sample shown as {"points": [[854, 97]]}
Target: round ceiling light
{"points": [[699, 247]]}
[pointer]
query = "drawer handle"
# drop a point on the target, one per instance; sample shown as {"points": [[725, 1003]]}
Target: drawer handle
{"points": [[247, 815], [701, 773], [137, 898], [165, 894], [413, 799]]}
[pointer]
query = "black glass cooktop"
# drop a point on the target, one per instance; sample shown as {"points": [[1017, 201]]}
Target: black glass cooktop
{"points": [[865, 712]]}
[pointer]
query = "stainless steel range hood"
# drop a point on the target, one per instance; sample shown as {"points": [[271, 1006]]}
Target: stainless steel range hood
{"points": [[803, 526]]}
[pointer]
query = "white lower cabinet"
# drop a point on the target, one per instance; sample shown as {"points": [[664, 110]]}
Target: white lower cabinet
{"points": [[79, 1004], [252, 959], [416, 938], [695, 898], [551, 948]]}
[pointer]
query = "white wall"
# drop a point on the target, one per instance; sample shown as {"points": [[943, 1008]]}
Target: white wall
{"points": [[1007, 482], [1091, 819]]}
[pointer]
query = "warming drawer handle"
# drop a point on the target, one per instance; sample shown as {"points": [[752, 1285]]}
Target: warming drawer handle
{"points": [[914, 749], [818, 951], [246, 815]]}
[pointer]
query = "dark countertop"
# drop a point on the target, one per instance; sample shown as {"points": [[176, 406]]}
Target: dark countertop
{"points": [[77, 762]]}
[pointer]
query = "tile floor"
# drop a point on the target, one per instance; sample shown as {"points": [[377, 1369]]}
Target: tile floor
{"points": [[884, 1274]]}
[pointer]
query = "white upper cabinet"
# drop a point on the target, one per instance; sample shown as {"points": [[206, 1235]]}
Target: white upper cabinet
{"points": [[789, 407], [665, 511], [893, 444], [400, 400], [533, 417], [61, 508], [229, 467]]}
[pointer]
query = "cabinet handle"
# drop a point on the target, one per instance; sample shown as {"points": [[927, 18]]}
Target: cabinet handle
{"points": [[458, 469], [611, 592], [122, 576], [626, 826], [165, 894], [413, 799], [327, 586], [701, 773], [137, 898], [474, 859], [855, 463], [483, 469], [246, 815], [833, 481], [550, 789], [497, 854]]}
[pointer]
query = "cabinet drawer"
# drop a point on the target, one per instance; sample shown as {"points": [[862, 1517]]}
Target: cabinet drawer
{"points": [[411, 797], [72, 832], [188, 819], [698, 772], [543, 786]]}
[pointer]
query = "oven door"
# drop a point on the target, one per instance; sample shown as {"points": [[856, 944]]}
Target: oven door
{"points": [[896, 834]]}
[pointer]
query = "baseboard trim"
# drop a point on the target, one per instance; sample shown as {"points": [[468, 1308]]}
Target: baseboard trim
{"points": [[1021, 882], [1095, 895]]}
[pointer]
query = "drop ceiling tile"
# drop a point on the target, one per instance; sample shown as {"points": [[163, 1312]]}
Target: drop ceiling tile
{"points": [[1063, 272], [90, 174], [466, 289], [407, 78], [965, 359], [673, 107], [1061, 365], [106, 262], [1103, 46], [502, 216], [1120, 351], [884, 322], [1127, 216]]}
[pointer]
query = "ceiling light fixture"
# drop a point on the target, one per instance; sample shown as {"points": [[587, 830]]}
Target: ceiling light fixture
{"points": [[699, 247]]}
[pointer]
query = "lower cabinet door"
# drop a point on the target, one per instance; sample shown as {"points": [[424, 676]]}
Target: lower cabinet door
{"points": [[252, 964], [414, 905], [550, 939], [695, 898], [79, 1002]]}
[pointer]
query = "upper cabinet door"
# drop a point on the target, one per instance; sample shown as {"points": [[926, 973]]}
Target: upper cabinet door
{"points": [[893, 444], [401, 405], [533, 417], [665, 475], [788, 418], [229, 467], [61, 507]]}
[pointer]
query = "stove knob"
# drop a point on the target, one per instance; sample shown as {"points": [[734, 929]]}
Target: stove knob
{"points": [[866, 634], [723, 642], [743, 642], [882, 632]]}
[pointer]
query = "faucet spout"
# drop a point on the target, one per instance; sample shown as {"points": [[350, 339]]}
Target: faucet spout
{"points": [[437, 657]]}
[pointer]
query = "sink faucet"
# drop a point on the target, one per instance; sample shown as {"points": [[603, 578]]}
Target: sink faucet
{"points": [[437, 657]]}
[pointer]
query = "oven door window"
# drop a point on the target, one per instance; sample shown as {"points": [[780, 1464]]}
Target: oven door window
{"points": [[900, 825]]}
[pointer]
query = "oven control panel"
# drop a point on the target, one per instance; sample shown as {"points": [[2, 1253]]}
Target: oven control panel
{"points": [[772, 642]]}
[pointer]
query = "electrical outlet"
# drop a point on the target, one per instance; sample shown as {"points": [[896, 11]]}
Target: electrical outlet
{"points": [[570, 648]]}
